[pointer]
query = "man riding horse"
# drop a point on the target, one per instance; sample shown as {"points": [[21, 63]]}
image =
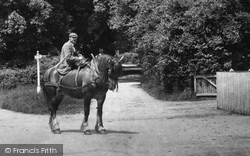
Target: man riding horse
{"points": [[69, 56]]}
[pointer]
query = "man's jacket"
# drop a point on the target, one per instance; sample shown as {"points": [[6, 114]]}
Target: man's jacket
{"points": [[68, 58]]}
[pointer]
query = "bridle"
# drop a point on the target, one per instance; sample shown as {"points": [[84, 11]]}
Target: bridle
{"points": [[113, 80]]}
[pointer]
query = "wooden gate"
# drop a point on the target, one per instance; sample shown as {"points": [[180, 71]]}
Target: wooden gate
{"points": [[205, 85]]}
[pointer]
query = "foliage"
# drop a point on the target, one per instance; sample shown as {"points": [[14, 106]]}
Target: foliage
{"points": [[12, 78], [181, 38], [101, 36], [21, 26], [30, 25], [121, 12], [174, 39], [129, 58]]}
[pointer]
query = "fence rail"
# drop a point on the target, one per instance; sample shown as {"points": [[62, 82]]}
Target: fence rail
{"points": [[129, 69], [131, 72]]}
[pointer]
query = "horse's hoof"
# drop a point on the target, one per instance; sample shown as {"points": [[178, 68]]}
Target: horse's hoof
{"points": [[103, 131], [96, 128], [57, 131], [87, 132]]}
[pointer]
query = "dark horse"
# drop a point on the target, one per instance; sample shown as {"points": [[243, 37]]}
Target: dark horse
{"points": [[90, 82]]}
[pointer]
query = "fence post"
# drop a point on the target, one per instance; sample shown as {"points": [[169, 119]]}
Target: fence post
{"points": [[195, 89]]}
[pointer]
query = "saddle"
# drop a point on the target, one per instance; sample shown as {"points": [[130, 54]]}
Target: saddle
{"points": [[78, 66]]}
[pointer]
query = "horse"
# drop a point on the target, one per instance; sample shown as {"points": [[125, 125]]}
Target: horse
{"points": [[90, 82]]}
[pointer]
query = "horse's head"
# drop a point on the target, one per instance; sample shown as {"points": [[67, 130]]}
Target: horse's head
{"points": [[110, 69], [114, 71]]}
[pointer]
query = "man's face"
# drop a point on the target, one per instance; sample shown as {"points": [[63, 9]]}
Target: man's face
{"points": [[73, 40]]}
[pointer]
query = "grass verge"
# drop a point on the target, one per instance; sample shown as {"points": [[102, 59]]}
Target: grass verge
{"points": [[25, 99], [186, 95]]}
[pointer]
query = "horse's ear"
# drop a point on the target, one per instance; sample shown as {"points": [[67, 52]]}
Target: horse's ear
{"points": [[93, 57], [111, 61]]}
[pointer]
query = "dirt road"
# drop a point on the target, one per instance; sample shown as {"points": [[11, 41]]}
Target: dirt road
{"points": [[138, 125]]}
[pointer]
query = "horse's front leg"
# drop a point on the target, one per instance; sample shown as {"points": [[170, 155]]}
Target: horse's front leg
{"points": [[99, 128], [84, 126]]}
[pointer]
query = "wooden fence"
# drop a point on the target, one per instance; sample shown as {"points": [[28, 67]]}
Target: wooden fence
{"points": [[130, 69], [233, 90], [205, 85], [131, 72]]}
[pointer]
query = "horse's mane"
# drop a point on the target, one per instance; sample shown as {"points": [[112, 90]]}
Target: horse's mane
{"points": [[102, 61]]}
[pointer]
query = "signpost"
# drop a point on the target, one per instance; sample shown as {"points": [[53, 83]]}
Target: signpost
{"points": [[38, 57]]}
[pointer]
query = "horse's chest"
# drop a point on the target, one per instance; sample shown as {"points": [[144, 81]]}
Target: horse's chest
{"points": [[100, 92]]}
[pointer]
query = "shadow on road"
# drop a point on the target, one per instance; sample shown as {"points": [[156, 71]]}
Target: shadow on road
{"points": [[94, 132], [121, 132], [72, 131], [137, 85]]}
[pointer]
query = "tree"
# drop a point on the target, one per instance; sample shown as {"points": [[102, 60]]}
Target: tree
{"points": [[101, 36], [182, 38], [30, 25], [121, 14], [18, 19]]}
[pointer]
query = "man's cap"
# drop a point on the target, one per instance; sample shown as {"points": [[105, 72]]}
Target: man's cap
{"points": [[73, 35]]}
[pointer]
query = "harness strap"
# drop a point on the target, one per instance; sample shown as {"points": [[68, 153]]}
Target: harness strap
{"points": [[59, 82], [79, 89], [78, 70]]}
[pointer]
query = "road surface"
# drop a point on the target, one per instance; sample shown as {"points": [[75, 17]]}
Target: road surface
{"points": [[137, 125]]}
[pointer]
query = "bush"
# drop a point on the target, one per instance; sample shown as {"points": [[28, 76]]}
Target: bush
{"points": [[130, 58], [12, 78]]}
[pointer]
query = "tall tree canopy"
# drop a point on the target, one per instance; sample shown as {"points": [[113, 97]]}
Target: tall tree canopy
{"points": [[30, 25], [21, 26], [174, 38], [179, 38]]}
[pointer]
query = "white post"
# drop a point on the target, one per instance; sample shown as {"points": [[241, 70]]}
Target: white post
{"points": [[38, 57]]}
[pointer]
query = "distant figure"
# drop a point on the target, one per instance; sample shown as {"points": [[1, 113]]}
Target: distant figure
{"points": [[69, 56]]}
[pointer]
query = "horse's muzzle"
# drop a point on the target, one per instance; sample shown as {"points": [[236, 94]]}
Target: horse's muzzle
{"points": [[112, 84]]}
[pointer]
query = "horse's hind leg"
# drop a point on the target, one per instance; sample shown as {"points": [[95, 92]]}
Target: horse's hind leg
{"points": [[99, 128], [53, 106], [84, 126]]}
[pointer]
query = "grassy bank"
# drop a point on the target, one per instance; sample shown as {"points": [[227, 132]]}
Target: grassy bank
{"points": [[157, 92], [25, 99]]}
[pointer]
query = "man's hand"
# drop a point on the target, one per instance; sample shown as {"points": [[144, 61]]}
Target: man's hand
{"points": [[80, 57]]}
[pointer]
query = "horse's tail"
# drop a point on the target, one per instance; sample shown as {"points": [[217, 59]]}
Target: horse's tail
{"points": [[44, 79], [44, 92]]}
